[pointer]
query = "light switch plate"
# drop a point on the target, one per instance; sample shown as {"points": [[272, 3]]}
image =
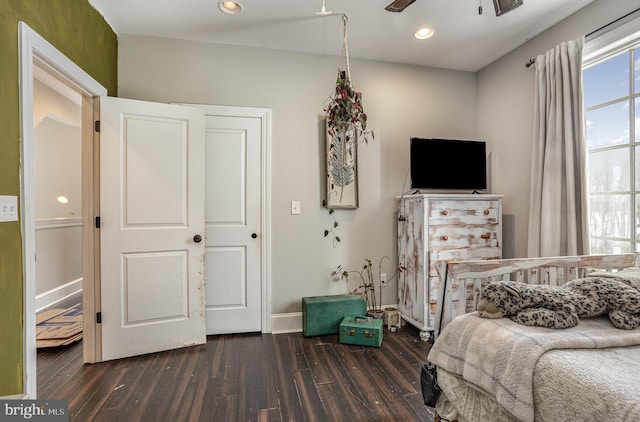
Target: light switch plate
{"points": [[295, 207], [8, 208]]}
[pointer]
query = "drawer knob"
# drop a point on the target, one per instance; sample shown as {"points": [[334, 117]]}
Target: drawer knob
{"points": [[486, 212], [444, 212], [445, 237], [486, 236]]}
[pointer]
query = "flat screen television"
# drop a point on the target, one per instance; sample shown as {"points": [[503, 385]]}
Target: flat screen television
{"points": [[448, 164]]}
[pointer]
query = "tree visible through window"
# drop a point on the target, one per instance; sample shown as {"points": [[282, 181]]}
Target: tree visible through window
{"points": [[612, 103]]}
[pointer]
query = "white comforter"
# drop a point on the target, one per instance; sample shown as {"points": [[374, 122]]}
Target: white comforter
{"points": [[500, 357]]}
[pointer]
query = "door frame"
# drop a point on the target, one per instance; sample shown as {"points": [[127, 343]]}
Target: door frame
{"points": [[34, 49], [264, 114]]}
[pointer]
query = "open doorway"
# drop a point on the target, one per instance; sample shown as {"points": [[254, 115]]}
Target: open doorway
{"points": [[37, 56], [57, 178], [57, 168]]}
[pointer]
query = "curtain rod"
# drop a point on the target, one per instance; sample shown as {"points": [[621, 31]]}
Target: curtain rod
{"points": [[611, 23], [532, 61]]}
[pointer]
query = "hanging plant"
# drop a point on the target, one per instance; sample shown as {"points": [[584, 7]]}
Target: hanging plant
{"points": [[346, 126], [344, 111]]}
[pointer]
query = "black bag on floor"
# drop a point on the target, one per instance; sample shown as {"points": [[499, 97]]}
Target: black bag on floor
{"points": [[429, 381]]}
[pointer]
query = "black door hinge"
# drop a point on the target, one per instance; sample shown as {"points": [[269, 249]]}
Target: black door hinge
{"points": [[99, 317], [97, 222], [96, 125]]}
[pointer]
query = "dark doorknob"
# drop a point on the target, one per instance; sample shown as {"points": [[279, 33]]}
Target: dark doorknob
{"points": [[197, 238], [253, 235]]}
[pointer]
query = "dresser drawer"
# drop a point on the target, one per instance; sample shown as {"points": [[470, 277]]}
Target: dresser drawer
{"points": [[465, 236], [463, 212]]}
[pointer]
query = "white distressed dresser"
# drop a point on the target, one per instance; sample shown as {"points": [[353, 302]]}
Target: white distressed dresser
{"points": [[436, 227]]}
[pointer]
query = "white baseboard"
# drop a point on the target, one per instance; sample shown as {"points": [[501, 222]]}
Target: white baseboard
{"points": [[61, 293], [291, 322], [286, 323]]}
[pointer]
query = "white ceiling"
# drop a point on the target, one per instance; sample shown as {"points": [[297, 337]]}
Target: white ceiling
{"points": [[463, 40]]}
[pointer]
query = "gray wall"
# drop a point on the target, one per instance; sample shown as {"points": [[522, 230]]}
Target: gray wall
{"points": [[401, 101], [505, 113]]}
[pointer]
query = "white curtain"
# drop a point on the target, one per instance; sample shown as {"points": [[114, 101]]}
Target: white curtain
{"points": [[558, 220]]}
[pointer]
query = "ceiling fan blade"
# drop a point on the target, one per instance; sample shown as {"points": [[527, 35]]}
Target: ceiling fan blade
{"points": [[398, 5], [504, 6]]}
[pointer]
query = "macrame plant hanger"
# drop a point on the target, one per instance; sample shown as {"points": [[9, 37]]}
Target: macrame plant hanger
{"points": [[346, 122], [341, 128], [344, 55]]}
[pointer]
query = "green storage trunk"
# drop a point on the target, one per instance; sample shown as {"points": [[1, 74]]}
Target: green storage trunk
{"points": [[361, 330], [322, 315]]}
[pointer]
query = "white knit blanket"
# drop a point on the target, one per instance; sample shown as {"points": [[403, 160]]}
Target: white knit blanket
{"points": [[630, 275], [499, 356]]}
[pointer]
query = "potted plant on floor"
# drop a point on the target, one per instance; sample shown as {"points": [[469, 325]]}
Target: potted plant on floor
{"points": [[367, 286]]}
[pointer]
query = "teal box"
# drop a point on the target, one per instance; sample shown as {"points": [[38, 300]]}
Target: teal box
{"points": [[361, 330], [322, 315]]}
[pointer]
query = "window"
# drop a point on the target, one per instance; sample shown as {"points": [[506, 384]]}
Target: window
{"points": [[611, 78]]}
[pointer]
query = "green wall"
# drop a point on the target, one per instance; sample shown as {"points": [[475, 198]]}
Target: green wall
{"points": [[76, 29]]}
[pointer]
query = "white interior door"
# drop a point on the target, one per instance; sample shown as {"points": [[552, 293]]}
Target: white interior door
{"points": [[233, 222], [151, 210]]}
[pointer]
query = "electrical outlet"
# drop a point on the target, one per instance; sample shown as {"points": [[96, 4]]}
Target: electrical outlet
{"points": [[8, 208], [383, 278]]}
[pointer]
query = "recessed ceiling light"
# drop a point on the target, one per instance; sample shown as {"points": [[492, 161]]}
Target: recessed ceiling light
{"points": [[230, 7], [423, 33]]}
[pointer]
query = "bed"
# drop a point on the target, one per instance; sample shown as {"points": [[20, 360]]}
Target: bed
{"points": [[497, 370]]}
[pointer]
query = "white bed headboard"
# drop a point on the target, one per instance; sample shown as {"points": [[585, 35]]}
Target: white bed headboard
{"points": [[466, 279]]}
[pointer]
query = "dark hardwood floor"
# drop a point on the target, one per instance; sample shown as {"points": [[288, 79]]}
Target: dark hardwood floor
{"points": [[246, 377]]}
